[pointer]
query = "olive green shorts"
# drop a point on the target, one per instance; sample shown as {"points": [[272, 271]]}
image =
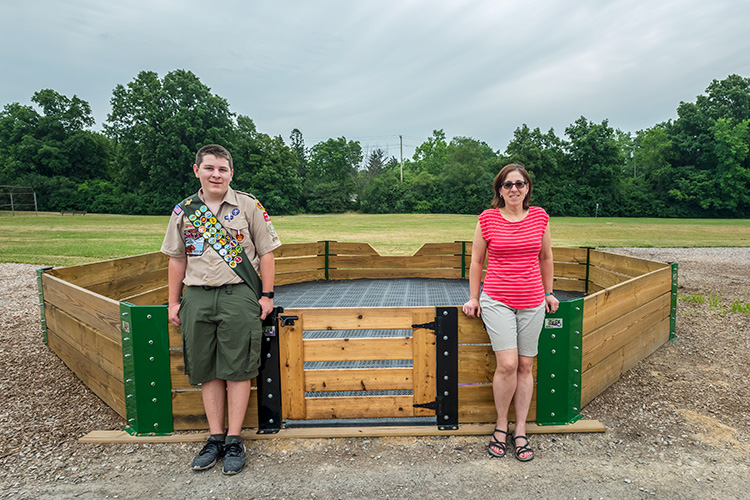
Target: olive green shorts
{"points": [[221, 333]]}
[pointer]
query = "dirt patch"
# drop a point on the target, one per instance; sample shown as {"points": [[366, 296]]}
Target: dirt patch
{"points": [[677, 424]]}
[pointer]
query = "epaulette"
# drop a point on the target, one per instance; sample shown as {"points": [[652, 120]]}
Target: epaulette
{"points": [[246, 194]]}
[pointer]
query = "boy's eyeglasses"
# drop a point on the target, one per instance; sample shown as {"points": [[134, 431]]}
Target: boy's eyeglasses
{"points": [[508, 184]]}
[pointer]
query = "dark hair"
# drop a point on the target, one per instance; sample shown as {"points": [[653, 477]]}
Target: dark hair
{"points": [[497, 200], [216, 150]]}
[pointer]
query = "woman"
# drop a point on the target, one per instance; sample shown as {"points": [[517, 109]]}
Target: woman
{"points": [[517, 291]]}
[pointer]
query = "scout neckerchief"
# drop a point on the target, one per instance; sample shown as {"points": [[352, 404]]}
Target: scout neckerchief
{"points": [[221, 240]]}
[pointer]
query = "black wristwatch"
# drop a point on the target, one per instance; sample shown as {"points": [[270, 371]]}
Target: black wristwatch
{"points": [[267, 294]]}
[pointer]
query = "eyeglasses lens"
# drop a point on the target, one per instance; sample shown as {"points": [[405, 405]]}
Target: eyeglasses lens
{"points": [[519, 184]]}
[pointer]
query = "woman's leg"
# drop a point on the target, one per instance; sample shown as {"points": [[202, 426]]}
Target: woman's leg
{"points": [[504, 384], [522, 397]]}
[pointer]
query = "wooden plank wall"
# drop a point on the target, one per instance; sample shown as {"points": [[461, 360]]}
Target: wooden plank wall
{"points": [[623, 324], [476, 368], [83, 329]]}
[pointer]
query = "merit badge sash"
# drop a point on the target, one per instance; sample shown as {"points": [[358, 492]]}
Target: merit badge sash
{"points": [[221, 240]]}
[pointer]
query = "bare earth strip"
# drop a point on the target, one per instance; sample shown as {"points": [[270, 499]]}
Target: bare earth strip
{"points": [[678, 424]]}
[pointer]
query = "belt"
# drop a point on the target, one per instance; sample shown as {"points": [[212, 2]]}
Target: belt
{"points": [[209, 288]]}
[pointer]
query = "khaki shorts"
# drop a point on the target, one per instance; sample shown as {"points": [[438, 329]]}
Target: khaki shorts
{"points": [[510, 328], [221, 333]]}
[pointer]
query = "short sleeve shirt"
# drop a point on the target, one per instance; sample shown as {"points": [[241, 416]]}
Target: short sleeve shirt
{"points": [[243, 216], [513, 276]]}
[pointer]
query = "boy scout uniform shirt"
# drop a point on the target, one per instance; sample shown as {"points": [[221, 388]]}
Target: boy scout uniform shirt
{"points": [[243, 216]]}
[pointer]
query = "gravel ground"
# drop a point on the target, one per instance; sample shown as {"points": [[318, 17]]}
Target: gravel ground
{"points": [[677, 424]]}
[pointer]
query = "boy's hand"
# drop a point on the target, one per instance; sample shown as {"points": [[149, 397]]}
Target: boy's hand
{"points": [[266, 306], [173, 314]]}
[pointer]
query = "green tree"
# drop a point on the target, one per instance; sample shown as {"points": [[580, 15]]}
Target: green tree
{"points": [[157, 125], [330, 185]]}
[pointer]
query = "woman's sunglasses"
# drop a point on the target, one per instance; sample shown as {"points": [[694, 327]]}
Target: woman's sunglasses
{"points": [[508, 184]]}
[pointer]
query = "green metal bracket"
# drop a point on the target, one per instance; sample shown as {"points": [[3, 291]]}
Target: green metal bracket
{"points": [[463, 259], [145, 356], [673, 309], [588, 266], [327, 254], [558, 390], [40, 290]]}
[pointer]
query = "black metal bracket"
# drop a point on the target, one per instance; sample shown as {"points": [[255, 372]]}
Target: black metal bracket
{"points": [[427, 326], [446, 367], [287, 320], [269, 376], [432, 405]]}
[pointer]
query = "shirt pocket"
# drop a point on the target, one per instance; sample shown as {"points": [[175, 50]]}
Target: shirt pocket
{"points": [[239, 230]]}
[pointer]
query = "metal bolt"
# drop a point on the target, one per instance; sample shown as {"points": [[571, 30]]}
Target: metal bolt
{"points": [[578, 308], [151, 342], [124, 314], [446, 353], [127, 355], [131, 420], [148, 316], [446, 417], [446, 393], [126, 339], [445, 313], [445, 337], [268, 380], [130, 395], [270, 420], [575, 385], [553, 351], [268, 355], [156, 425], [129, 380], [445, 377], [552, 414], [268, 339], [552, 391], [270, 396], [575, 409], [153, 400], [577, 332], [576, 347], [575, 370], [552, 336], [552, 376], [151, 358], [153, 384]]}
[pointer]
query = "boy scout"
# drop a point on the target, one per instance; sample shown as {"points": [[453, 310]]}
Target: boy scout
{"points": [[214, 238]]}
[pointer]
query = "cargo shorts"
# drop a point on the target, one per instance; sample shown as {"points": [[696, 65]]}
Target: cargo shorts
{"points": [[221, 333]]}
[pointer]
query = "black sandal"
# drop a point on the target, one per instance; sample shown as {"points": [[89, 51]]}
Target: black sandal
{"points": [[518, 450], [498, 444]]}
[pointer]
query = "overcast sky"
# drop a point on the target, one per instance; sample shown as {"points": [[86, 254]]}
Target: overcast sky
{"points": [[373, 70]]}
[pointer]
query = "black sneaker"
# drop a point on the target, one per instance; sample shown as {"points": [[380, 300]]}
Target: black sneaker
{"points": [[234, 457], [211, 452]]}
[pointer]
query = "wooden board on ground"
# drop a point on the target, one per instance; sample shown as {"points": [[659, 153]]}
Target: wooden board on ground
{"points": [[115, 437]]}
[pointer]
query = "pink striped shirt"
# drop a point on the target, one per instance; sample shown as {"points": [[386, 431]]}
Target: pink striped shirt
{"points": [[513, 275]]}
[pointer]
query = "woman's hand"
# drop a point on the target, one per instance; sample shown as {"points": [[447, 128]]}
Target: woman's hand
{"points": [[550, 303], [472, 308]]}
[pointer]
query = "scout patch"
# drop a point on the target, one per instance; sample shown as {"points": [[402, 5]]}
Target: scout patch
{"points": [[194, 243]]}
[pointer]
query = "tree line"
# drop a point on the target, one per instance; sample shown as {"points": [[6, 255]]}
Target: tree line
{"points": [[696, 165]]}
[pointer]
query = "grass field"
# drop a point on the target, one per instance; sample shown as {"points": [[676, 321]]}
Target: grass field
{"points": [[56, 240]]}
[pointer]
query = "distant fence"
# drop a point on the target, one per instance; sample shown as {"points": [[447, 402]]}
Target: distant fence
{"points": [[15, 197]]}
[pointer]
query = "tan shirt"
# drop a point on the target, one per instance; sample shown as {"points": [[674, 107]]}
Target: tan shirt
{"points": [[243, 216]]}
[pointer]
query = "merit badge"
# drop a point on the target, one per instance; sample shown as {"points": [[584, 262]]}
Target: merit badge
{"points": [[236, 211], [217, 246], [227, 258], [204, 208], [192, 217], [204, 219], [223, 241], [211, 241], [198, 213], [238, 259], [177, 209], [201, 229], [223, 252], [217, 225], [233, 243], [232, 264], [209, 214], [239, 250]]}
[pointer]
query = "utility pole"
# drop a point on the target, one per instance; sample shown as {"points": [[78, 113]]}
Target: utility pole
{"points": [[401, 145]]}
